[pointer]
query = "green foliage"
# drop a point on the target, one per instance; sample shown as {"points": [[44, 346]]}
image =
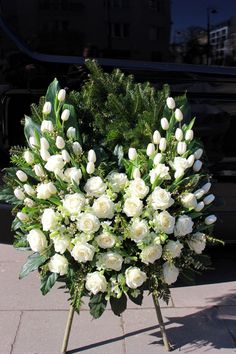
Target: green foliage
{"points": [[33, 263], [97, 304], [118, 305], [47, 282]]}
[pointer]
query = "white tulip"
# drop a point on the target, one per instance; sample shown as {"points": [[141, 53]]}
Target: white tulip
{"points": [[44, 143], [157, 159], [209, 199], [29, 202], [162, 145], [22, 216], [170, 102], [156, 137], [19, 194], [46, 126], [65, 155], [29, 189], [61, 95], [198, 154], [65, 115], [211, 219], [33, 142], [22, 176], [47, 108], [191, 160], [179, 134], [199, 206], [178, 115], [189, 201], [179, 173], [77, 148], [39, 171], [199, 193], [92, 156], [29, 157], [136, 173], [44, 154], [54, 163], [164, 124], [189, 135], [60, 142], [132, 154], [181, 147], [71, 133], [197, 165], [206, 187], [150, 149], [90, 168]]}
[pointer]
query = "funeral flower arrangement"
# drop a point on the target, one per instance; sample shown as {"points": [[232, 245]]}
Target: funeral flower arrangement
{"points": [[109, 221]]}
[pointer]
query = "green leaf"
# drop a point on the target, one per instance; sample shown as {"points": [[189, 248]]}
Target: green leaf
{"points": [[47, 282], [33, 262], [136, 299], [7, 195], [72, 121], [97, 305], [31, 129], [51, 96], [118, 305]]}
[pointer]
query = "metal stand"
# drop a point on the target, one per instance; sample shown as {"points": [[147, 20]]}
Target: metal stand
{"points": [[159, 317]]}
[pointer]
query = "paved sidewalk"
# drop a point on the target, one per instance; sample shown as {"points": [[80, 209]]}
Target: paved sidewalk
{"points": [[198, 319]]}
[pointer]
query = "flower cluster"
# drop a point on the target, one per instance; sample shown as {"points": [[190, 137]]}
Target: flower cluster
{"points": [[136, 226]]}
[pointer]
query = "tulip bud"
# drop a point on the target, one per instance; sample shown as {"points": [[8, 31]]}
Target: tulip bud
{"points": [[164, 124], [150, 149], [199, 206], [29, 157], [136, 173], [22, 176], [38, 170], [44, 143], [92, 156], [65, 156], [206, 187], [65, 115], [33, 142], [170, 102], [22, 216], [189, 135], [209, 199], [191, 160], [71, 133], [47, 108], [179, 173], [132, 154], [46, 125], [61, 95], [198, 154], [179, 134], [211, 219], [162, 145], [157, 159], [90, 168], [199, 193], [44, 154], [60, 142], [19, 194], [178, 115], [29, 202], [181, 147], [77, 148], [197, 165], [29, 189], [156, 137]]}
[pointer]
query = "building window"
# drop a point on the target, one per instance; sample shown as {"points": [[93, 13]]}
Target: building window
{"points": [[154, 5], [154, 32], [120, 30]]}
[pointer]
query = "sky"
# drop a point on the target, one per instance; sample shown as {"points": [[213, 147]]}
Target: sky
{"points": [[187, 13]]}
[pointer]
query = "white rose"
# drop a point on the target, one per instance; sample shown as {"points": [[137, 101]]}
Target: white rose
{"points": [[133, 207], [170, 273], [37, 240], [103, 207], [160, 199], [61, 243], [173, 248], [151, 253], [54, 163], [95, 187], [112, 260], [45, 190], [180, 164], [83, 252], [73, 203], [183, 226], [138, 230], [22, 176], [29, 157], [106, 240], [58, 264], [197, 242], [96, 282], [138, 188], [29, 189], [49, 219], [134, 277], [19, 194], [46, 126], [164, 222], [189, 201], [73, 174], [161, 170], [88, 223], [118, 181]]}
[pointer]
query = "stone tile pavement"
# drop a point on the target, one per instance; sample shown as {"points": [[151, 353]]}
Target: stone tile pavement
{"points": [[199, 319]]}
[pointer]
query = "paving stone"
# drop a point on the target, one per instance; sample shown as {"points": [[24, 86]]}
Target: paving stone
{"points": [[9, 322], [9, 254], [228, 315], [42, 333], [189, 330]]}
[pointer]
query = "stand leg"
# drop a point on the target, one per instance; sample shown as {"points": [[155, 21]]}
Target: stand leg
{"points": [[161, 323], [67, 330]]}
